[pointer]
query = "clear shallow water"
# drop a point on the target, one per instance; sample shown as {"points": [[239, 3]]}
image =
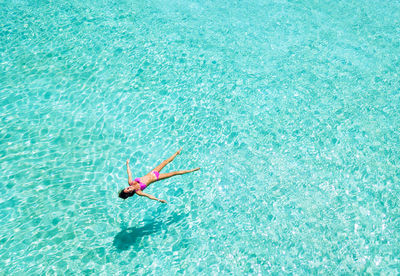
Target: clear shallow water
{"points": [[291, 108]]}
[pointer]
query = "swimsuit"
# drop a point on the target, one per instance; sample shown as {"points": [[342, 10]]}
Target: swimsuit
{"points": [[156, 173], [142, 185]]}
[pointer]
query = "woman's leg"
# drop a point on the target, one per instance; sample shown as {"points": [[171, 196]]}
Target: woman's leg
{"points": [[167, 175], [165, 162]]}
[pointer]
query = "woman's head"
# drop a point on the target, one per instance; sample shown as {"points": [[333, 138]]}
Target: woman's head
{"points": [[125, 194]]}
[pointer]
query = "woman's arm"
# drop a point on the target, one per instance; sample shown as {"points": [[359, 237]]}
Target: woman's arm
{"points": [[150, 196], [129, 172]]}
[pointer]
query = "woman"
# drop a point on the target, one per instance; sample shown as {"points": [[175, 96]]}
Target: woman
{"points": [[139, 184]]}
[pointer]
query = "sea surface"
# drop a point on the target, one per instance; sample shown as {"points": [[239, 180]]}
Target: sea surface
{"points": [[290, 108]]}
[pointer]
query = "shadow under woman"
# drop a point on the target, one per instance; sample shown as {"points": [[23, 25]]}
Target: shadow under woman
{"points": [[130, 236]]}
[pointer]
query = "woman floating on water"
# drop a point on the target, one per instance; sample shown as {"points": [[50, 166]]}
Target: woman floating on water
{"points": [[139, 184]]}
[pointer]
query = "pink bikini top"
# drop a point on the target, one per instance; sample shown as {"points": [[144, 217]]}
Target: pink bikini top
{"points": [[142, 185]]}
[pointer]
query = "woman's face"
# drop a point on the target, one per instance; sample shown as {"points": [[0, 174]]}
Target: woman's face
{"points": [[129, 189]]}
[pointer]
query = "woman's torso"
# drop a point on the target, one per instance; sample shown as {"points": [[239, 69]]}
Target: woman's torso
{"points": [[140, 183]]}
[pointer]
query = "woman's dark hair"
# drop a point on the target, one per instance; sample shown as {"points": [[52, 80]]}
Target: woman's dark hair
{"points": [[124, 195]]}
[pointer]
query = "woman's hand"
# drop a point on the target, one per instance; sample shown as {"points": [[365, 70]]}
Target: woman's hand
{"points": [[140, 193], [127, 161]]}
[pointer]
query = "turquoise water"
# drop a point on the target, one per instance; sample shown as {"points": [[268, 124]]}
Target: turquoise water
{"points": [[291, 109]]}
